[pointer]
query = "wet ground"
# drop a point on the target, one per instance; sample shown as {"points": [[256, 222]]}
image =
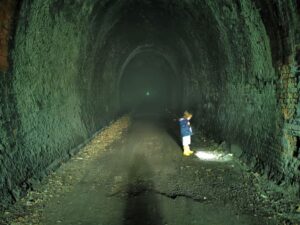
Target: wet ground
{"points": [[134, 174]]}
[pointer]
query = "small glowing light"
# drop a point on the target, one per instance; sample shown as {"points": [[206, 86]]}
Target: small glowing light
{"points": [[213, 156], [147, 93]]}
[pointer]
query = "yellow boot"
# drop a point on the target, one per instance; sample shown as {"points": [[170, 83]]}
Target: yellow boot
{"points": [[186, 151], [189, 150]]}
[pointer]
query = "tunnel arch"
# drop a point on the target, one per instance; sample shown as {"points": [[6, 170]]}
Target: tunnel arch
{"points": [[144, 49], [177, 93]]}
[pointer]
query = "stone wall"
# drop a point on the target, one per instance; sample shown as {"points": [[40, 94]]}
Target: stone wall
{"points": [[44, 110], [289, 100], [255, 102], [7, 13]]}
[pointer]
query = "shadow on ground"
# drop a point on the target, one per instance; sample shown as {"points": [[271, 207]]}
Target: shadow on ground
{"points": [[141, 206]]}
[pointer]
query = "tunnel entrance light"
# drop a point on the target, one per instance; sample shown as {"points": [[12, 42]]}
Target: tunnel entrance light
{"points": [[213, 156]]}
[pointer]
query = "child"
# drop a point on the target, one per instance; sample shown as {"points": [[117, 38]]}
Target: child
{"points": [[186, 132]]}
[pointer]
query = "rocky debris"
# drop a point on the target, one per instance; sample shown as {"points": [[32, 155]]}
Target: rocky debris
{"points": [[28, 211]]}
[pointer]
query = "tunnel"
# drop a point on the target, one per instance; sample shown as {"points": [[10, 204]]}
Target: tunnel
{"points": [[148, 84], [68, 68]]}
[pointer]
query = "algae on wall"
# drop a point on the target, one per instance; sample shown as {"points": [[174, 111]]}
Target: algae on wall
{"points": [[7, 125], [240, 100], [238, 91], [45, 72], [46, 87]]}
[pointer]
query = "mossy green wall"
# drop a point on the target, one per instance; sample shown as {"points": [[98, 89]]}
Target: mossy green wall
{"points": [[46, 114], [237, 94], [47, 49]]}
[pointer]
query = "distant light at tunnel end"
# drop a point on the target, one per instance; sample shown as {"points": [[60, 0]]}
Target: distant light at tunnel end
{"points": [[213, 156]]}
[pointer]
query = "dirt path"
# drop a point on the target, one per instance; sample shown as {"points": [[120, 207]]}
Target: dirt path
{"points": [[140, 177]]}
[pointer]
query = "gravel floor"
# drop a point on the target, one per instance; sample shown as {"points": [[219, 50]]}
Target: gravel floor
{"points": [[133, 173]]}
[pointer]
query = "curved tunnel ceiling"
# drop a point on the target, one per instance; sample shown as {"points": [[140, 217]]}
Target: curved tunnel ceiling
{"points": [[188, 36], [174, 29]]}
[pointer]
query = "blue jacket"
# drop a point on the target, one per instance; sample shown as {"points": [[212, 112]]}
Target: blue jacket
{"points": [[185, 128]]}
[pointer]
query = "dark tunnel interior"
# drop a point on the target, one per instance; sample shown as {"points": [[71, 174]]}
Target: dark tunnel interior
{"points": [[149, 85], [68, 68]]}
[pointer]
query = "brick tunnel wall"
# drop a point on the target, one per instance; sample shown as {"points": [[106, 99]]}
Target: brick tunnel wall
{"points": [[7, 11], [238, 100], [254, 104], [289, 101], [8, 124], [47, 108]]}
